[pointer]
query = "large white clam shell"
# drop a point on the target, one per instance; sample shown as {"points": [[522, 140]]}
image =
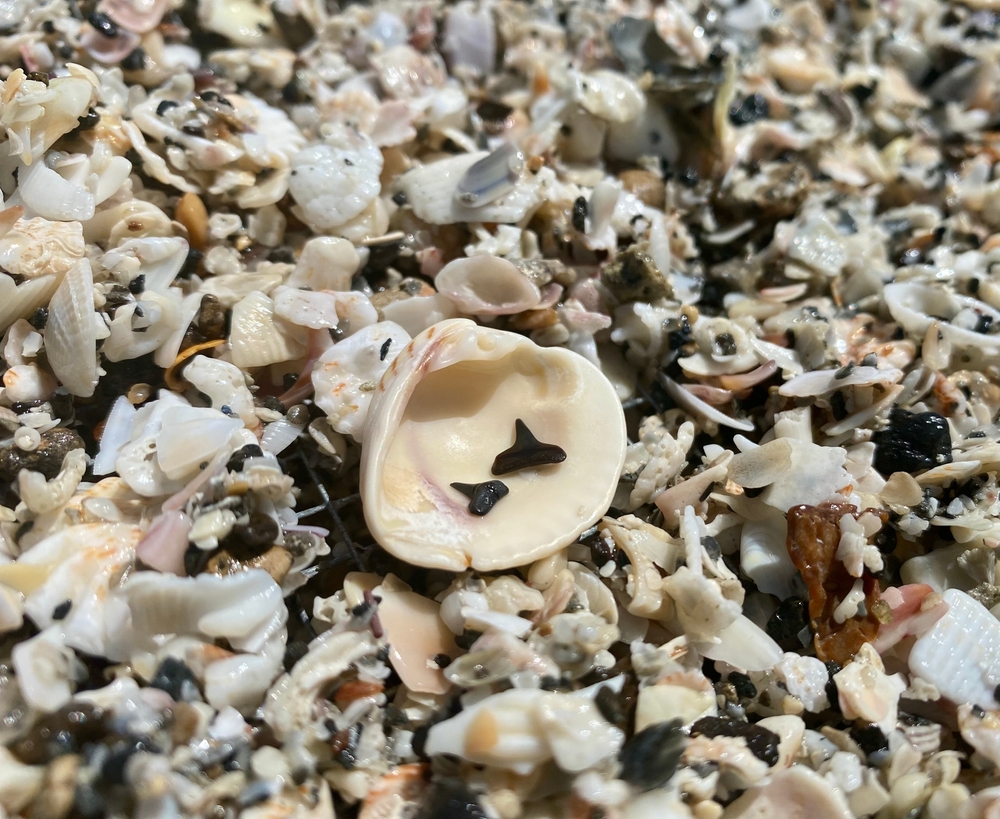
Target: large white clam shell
{"points": [[446, 408]]}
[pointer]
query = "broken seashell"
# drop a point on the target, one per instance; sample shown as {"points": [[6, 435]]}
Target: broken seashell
{"points": [[71, 331], [491, 177], [789, 794], [444, 409], [960, 654], [190, 438], [487, 286], [346, 375], [258, 337], [431, 190]]}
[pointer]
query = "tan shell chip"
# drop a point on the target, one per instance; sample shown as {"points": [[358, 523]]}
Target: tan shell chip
{"points": [[443, 411]]}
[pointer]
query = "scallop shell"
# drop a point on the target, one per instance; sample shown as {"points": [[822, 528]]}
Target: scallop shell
{"points": [[257, 337], [442, 412], [71, 331]]}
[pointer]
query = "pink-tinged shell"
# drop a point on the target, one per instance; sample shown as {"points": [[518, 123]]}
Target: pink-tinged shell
{"points": [[745, 381], [912, 613], [139, 16], [108, 50], [165, 543]]}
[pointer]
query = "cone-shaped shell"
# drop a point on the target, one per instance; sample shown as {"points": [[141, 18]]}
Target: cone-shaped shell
{"points": [[443, 411]]}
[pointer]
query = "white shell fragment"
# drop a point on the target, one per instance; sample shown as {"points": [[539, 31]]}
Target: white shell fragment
{"points": [[71, 331], [487, 286], [446, 408], [490, 177], [346, 376], [960, 654], [432, 192]]}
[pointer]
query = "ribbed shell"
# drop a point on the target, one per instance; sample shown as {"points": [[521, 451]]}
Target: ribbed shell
{"points": [[71, 331]]}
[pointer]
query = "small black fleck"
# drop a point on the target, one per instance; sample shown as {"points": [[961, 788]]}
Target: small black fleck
{"points": [[384, 350], [348, 162], [843, 372], [103, 24], [40, 319], [137, 285], [838, 406], [60, 611], [88, 121], [164, 106], [174, 677], [442, 660], [726, 344], [996, 693], [984, 323], [978, 711], [787, 622], [870, 360], [235, 462], [751, 109], [135, 60], [579, 216], [399, 197]]}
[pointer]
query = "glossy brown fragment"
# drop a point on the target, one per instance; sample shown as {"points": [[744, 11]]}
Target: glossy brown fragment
{"points": [[813, 537]]}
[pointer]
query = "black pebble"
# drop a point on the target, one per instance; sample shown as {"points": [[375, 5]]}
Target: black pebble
{"points": [[579, 217], [762, 743], [483, 496], [253, 538], [912, 442], [751, 109], [787, 623], [40, 319], [174, 677], [135, 60], [235, 462], [137, 285], [526, 452], [451, 800], [745, 689], [651, 756], [870, 738], [384, 350], [831, 684], [60, 611], [103, 24]]}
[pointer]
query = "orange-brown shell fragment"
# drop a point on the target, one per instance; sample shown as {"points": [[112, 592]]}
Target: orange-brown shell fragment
{"points": [[813, 538]]}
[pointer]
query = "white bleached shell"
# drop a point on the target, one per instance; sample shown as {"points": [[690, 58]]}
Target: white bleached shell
{"points": [[39, 247], [290, 703], [866, 692], [487, 286], [430, 190], [258, 337], [158, 258], [44, 667], [335, 181], [666, 701], [20, 301], [791, 794], [326, 263], [611, 96], [306, 308], [816, 474], [80, 562], [744, 645], [224, 384], [245, 608], [50, 195], [244, 22], [190, 437], [71, 331], [41, 496], [917, 306], [442, 412], [521, 729], [117, 431], [418, 313], [820, 382], [136, 462], [806, 679], [764, 558], [346, 375], [960, 654], [11, 610]]}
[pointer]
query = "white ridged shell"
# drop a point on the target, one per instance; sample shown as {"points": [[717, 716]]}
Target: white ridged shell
{"points": [[71, 331]]}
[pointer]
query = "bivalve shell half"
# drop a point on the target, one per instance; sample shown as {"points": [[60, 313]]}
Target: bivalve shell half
{"points": [[487, 286], [445, 409]]}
